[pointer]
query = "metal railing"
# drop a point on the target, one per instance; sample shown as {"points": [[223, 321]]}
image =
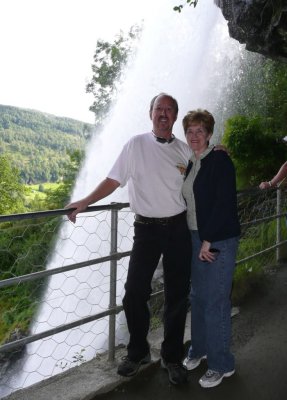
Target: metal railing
{"points": [[264, 207], [113, 258]]}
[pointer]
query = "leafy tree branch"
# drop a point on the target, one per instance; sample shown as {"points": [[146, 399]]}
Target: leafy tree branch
{"points": [[188, 2], [109, 62]]}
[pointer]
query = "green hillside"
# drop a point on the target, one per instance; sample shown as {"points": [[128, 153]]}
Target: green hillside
{"points": [[38, 143]]}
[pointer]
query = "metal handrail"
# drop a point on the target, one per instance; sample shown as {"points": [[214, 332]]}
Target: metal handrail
{"points": [[113, 257], [54, 271], [60, 211]]}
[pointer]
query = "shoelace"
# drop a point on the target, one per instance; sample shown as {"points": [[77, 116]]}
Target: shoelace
{"points": [[210, 373]]}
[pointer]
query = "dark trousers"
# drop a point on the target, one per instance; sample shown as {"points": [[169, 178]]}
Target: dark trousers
{"points": [[173, 242]]}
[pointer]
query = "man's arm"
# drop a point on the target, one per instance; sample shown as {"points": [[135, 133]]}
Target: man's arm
{"points": [[104, 189]]}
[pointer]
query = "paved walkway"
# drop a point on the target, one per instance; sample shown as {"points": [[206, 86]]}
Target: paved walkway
{"points": [[259, 345], [260, 348]]}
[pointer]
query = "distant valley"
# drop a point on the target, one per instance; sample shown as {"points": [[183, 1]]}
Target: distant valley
{"points": [[38, 143]]}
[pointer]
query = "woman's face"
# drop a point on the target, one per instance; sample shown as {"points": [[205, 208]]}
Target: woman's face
{"points": [[197, 137]]}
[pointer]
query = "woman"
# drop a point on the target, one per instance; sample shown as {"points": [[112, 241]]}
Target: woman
{"points": [[210, 193]]}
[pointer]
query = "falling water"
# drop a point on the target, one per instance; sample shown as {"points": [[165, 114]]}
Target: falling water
{"points": [[186, 55]]}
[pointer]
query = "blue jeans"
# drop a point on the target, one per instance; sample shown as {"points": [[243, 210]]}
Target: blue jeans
{"points": [[210, 304]]}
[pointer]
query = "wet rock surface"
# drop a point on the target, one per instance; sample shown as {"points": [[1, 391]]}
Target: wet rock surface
{"points": [[260, 24]]}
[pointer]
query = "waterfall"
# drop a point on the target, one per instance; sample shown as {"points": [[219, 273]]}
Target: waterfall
{"points": [[184, 54]]}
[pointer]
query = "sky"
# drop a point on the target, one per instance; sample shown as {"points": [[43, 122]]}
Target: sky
{"points": [[47, 49]]}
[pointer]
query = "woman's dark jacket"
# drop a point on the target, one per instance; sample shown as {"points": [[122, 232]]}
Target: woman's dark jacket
{"points": [[215, 197]]}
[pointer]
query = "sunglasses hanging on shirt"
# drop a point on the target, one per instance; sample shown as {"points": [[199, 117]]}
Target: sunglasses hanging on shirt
{"points": [[164, 140]]}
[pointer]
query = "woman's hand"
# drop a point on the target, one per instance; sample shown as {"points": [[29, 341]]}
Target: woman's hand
{"points": [[205, 254], [264, 185]]}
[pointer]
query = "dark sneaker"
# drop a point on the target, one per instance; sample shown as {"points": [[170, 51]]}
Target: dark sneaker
{"points": [[177, 374], [213, 378], [130, 368]]}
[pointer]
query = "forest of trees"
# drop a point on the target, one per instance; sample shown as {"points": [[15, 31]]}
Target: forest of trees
{"points": [[38, 144]]}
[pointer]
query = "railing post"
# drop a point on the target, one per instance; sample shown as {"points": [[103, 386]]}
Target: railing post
{"points": [[278, 223], [113, 284]]}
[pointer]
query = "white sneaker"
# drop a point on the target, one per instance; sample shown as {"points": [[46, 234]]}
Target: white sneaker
{"points": [[192, 363], [213, 378]]}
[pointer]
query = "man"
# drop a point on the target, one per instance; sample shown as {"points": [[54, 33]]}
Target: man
{"points": [[153, 165]]}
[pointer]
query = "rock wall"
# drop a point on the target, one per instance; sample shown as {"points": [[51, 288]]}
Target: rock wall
{"points": [[260, 24]]}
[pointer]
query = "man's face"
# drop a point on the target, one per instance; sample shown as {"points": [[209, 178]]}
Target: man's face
{"points": [[163, 116]]}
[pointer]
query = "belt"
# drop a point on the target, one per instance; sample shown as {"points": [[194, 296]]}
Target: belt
{"points": [[159, 221]]}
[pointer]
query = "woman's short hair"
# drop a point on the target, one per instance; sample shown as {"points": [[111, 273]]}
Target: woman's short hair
{"points": [[201, 117]]}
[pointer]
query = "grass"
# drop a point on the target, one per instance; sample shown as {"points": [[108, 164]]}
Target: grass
{"points": [[253, 274], [40, 190]]}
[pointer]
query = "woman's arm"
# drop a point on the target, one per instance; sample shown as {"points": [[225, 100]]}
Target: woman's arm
{"points": [[281, 174]]}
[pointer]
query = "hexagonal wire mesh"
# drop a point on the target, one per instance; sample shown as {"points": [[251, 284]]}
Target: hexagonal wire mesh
{"points": [[30, 308], [54, 273]]}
